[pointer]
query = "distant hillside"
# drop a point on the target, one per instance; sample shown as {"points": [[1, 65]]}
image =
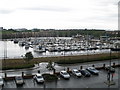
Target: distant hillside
{"points": [[11, 33]]}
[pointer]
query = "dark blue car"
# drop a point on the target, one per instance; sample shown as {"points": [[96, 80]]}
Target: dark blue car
{"points": [[85, 73], [92, 70]]}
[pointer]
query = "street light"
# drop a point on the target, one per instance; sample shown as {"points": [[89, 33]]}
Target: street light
{"points": [[5, 55], [110, 81]]}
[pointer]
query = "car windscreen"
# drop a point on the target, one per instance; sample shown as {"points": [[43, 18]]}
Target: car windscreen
{"points": [[77, 72], [92, 69], [19, 78], [39, 76], [65, 73], [1, 79], [86, 71]]}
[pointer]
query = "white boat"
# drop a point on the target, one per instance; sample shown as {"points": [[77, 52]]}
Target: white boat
{"points": [[22, 43], [52, 49], [39, 49], [66, 48], [26, 46]]}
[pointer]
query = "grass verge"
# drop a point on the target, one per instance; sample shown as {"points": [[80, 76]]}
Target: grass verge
{"points": [[49, 77], [20, 63]]}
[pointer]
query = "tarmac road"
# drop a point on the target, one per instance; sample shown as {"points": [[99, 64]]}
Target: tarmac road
{"points": [[74, 82]]}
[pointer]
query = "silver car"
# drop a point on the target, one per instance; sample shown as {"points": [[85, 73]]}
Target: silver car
{"points": [[76, 73], [1, 81], [64, 74], [39, 78], [19, 80]]}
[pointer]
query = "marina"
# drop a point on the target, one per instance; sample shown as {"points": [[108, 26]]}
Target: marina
{"points": [[53, 46]]}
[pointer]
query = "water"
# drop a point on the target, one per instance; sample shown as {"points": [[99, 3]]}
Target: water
{"points": [[16, 51]]}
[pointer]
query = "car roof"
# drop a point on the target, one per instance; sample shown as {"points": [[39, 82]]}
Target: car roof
{"points": [[82, 69], [38, 74], [63, 71], [91, 67], [0, 77], [75, 70]]}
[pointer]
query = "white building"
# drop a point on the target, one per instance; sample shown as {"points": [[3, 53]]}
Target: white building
{"points": [[1, 28]]}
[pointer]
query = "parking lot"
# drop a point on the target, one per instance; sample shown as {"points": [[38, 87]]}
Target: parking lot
{"points": [[74, 82]]}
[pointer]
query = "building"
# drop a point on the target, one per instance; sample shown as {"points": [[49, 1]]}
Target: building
{"points": [[21, 29], [104, 38], [1, 28]]}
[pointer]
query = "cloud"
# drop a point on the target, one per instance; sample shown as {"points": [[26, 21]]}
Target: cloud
{"points": [[59, 13], [48, 8], [5, 11]]}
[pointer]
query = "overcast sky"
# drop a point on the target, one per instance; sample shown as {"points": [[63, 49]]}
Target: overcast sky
{"points": [[59, 14]]}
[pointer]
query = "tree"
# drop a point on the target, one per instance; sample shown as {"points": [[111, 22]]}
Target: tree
{"points": [[28, 57], [50, 65]]}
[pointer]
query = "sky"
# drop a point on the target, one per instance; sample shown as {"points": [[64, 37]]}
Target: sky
{"points": [[59, 14]]}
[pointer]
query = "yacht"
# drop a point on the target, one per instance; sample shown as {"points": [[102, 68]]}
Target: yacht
{"points": [[39, 49]]}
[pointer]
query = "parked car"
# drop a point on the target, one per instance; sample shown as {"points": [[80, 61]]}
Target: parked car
{"points": [[92, 70], [39, 78], [64, 74], [109, 68], [85, 73], [76, 73], [19, 80], [1, 81]]}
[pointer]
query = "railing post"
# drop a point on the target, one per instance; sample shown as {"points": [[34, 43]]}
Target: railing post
{"points": [[22, 74], [114, 64], [93, 65], [81, 67], [103, 65], [38, 71], [68, 69], [5, 74], [54, 71]]}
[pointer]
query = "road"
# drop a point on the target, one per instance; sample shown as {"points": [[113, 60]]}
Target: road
{"points": [[43, 69]]}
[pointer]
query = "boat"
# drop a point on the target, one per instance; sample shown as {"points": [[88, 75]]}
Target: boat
{"points": [[115, 49], [22, 43], [15, 41], [39, 49], [26, 46]]}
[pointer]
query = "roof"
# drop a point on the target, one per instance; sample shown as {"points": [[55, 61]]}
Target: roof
{"points": [[63, 71], [83, 69], [75, 70], [91, 67], [38, 74]]}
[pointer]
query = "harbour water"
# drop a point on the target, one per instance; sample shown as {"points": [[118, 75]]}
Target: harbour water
{"points": [[16, 51]]}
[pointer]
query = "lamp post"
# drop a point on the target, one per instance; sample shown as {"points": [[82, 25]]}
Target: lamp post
{"points": [[64, 54], [5, 55], [110, 81]]}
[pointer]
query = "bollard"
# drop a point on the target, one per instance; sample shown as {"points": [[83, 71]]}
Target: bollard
{"points": [[38, 71], [54, 70], [5, 74], [103, 65], [81, 67], [68, 69], [114, 64], [93, 65], [22, 74]]}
